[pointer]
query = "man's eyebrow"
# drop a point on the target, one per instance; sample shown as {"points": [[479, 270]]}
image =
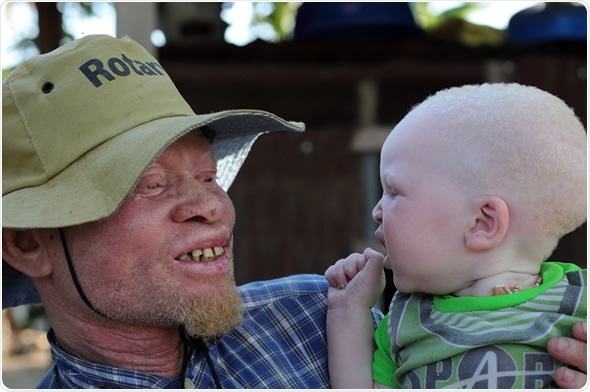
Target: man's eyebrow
{"points": [[209, 154]]}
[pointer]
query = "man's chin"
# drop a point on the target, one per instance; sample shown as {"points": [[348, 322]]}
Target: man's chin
{"points": [[213, 316]]}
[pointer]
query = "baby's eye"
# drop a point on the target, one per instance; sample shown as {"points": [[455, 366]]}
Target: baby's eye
{"points": [[391, 192]]}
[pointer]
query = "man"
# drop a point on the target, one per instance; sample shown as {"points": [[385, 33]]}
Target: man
{"points": [[116, 217]]}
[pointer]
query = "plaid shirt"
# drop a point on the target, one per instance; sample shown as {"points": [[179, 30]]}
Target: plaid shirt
{"points": [[281, 344]]}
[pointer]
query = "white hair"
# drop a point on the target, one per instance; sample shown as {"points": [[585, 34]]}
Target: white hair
{"points": [[521, 142]]}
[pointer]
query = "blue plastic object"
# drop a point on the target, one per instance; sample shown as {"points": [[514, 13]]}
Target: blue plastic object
{"points": [[354, 21], [548, 23]]}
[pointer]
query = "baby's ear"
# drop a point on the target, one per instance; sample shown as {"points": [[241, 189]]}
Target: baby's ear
{"points": [[25, 251], [490, 224]]}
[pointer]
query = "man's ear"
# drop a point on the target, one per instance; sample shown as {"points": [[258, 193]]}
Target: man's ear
{"points": [[25, 251], [490, 225]]}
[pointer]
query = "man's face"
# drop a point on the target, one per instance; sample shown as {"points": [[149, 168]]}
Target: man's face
{"points": [[165, 257]]}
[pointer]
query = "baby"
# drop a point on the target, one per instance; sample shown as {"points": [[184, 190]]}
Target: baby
{"points": [[480, 182]]}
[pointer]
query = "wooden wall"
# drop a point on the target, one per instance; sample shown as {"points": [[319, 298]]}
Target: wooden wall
{"points": [[301, 199]]}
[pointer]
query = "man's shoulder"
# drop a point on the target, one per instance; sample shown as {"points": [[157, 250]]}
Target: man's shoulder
{"points": [[265, 291], [308, 292]]}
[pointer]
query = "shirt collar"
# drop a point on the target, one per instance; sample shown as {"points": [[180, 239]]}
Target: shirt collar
{"points": [[78, 373]]}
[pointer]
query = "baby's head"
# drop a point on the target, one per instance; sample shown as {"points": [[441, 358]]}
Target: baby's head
{"points": [[514, 142]]}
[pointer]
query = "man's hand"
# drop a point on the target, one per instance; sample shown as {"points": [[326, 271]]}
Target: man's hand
{"points": [[572, 352]]}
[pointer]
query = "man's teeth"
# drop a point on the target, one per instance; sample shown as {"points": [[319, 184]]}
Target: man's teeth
{"points": [[206, 254]]}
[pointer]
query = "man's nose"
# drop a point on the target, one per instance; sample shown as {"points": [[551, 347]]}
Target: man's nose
{"points": [[197, 202]]}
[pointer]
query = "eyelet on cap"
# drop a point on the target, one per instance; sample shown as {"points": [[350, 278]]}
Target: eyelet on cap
{"points": [[47, 87]]}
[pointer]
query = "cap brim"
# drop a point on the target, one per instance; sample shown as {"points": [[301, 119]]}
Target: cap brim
{"points": [[96, 184]]}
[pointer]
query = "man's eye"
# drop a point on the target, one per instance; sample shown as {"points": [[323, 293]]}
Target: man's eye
{"points": [[149, 186], [210, 178]]}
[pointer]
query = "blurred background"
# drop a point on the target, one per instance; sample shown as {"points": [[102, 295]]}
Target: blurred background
{"points": [[349, 70]]}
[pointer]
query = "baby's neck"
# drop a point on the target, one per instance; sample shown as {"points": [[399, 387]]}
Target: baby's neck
{"points": [[504, 283]]}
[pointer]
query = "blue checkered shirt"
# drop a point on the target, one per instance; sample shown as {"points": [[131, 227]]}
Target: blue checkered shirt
{"points": [[281, 344]]}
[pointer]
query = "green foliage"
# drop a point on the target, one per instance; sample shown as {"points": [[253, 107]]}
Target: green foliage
{"points": [[428, 19], [6, 71], [281, 17]]}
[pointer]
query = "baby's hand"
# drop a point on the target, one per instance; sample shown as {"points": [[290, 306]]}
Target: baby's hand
{"points": [[357, 280]]}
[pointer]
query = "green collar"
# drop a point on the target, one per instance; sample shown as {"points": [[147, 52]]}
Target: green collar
{"points": [[552, 272]]}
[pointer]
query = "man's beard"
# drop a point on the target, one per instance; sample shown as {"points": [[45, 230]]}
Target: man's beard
{"points": [[207, 315], [212, 316]]}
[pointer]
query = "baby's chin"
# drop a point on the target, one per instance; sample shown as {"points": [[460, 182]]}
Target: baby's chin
{"points": [[387, 263]]}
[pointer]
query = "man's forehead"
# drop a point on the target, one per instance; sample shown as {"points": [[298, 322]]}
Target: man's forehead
{"points": [[192, 139]]}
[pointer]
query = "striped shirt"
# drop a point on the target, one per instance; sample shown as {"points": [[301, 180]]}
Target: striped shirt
{"points": [[280, 344], [496, 342]]}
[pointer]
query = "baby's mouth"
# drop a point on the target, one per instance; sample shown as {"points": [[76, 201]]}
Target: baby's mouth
{"points": [[206, 254]]}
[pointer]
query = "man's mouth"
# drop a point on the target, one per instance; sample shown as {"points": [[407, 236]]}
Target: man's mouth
{"points": [[206, 254]]}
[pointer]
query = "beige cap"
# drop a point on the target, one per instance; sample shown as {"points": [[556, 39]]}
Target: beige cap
{"points": [[82, 123]]}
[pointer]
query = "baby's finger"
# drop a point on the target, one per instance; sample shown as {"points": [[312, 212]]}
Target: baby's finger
{"points": [[329, 275], [370, 254], [353, 264], [339, 274], [374, 273]]}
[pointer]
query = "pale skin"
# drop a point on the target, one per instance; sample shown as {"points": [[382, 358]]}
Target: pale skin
{"points": [[480, 246], [126, 261], [129, 261], [355, 284], [357, 281]]}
